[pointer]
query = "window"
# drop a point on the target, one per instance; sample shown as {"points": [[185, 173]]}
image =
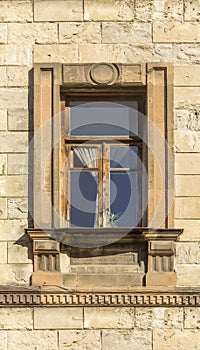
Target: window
{"points": [[104, 167]]}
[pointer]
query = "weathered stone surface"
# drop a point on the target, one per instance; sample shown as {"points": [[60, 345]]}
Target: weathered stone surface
{"points": [[58, 318], [187, 76], [3, 164], [176, 339], [79, 33], [13, 142], [56, 53], [157, 318], [11, 230], [191, 229], [188, 275], [171, 32], [187, 141], [32, 33], [15, 54], [148, 10], [15, 274], [3, 119], [3, 78], [17, 163], [3, 208], [18, 254], [187, 253], [126, 339], [187, 119], [187, 208], [108, 10], [16, 318], [186, 96], [125, 33], [17, 76], [15, 185], [187, 185], [192, 317], [32, 340], [101, 53], [192, 10], [14, 98], [59, 10], [18, 119], [3, 340], [76, 340], [111, 317], [3, 255], [3, 33], [16, 11]]}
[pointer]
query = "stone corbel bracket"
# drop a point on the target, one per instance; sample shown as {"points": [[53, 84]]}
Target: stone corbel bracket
{"points": [[46, 253], [161, 254]]}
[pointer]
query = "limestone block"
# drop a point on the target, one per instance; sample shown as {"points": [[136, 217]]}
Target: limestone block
{"points": [[187, 141], [125, 33], [11, 230], [188, 275], [39, 33], [147, 10], [187, 185], [170, 32], [3, 254], [101, 53], [15, 274], [32, 340], [17, 163], [187, 208], [58, 318], [58, 10], [16, 11], [3, 78], [15, 186], [184, 54], [3, 208], [3, 164], [187, 76], [18, 254], [56, 53], [17, 76], [108, 10], [18, 119], [192, 317], [151, 318], [3, 340], [126, 339], [76, 340], [188, 253], [16, 318], [186, 96], [187, 119], [79, 32], [3, 119], [15, 54], [111, 317], [13, 98], [13, 142], [191, 229], [176, 339], [3, 33], [138, 53], [192, 10]]}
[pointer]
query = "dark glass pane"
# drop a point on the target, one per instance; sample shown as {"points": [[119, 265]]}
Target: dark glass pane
{"points": [[123, 157], [123, 199], [83, 196], [103, 118]]}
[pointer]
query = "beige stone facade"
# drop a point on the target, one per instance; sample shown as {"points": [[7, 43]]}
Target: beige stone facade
{"points": [[134, 32]]}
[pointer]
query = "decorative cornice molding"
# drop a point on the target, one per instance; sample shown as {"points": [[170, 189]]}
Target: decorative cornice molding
{"points": [[25, 298]]}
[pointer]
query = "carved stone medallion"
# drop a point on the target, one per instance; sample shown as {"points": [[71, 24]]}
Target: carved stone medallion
{"points": [[103, 73]]}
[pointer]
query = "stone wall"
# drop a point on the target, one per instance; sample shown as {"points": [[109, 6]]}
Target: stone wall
{"points": [[77, 31]]}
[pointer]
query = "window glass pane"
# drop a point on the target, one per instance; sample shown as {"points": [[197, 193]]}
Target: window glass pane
{"points": [[85, 157], [123, 157], [103, 118], [84, 198], [123, 199]]}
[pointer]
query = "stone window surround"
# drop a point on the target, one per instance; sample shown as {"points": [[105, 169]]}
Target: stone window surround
{"points": [[157, 79]]}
